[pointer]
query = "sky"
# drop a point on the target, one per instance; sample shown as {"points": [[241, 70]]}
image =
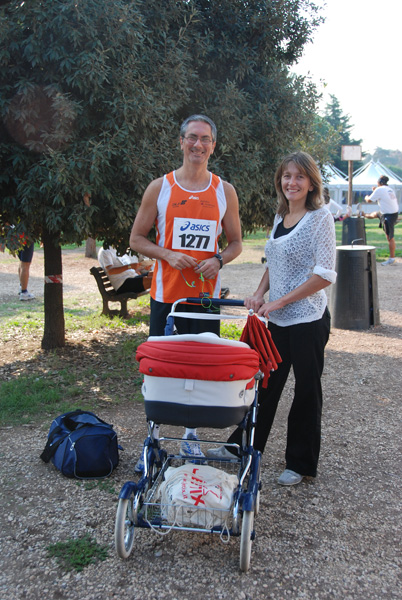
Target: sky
{"points": [[357, 52]]}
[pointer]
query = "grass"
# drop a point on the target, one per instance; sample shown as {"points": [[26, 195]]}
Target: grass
{"points": [[374, 237], [96, 367], [21, 398], [76, 554], [28, 397], [103, 485], [17, 315], [230, 331], [81, 246]]}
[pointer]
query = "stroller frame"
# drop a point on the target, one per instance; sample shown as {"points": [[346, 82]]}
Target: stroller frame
{"points": [[139, 505]]}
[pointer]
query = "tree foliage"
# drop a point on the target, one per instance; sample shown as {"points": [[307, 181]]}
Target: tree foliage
{"points": [[321, 140], [92, 93], [390, 158]]}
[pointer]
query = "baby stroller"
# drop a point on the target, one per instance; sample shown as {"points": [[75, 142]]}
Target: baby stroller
{"points": [[195, 381]]}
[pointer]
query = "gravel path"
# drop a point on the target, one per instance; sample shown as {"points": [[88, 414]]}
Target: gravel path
{"points": [[335, 537]]}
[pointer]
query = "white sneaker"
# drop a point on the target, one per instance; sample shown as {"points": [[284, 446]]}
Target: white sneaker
{"points": [[220, 453], [27, 295], [390, 261], [139, 467], [289, 477], [191, 448]]}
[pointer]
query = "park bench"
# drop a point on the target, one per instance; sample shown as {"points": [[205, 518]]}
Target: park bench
{"points": [[109, 294]]}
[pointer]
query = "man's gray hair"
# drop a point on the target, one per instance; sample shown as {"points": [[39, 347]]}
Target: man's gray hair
{"points": [[184, 125]]}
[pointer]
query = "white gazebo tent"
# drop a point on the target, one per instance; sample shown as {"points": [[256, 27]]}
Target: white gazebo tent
{"points": [[368, 175], [335, 181]]}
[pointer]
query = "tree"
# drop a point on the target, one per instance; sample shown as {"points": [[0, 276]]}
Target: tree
{"points": [[340, 122], [390, 158], [321, 140], [92, 93]]}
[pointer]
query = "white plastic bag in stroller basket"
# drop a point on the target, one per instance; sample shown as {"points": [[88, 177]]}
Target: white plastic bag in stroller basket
{"points": [[197, 495]]}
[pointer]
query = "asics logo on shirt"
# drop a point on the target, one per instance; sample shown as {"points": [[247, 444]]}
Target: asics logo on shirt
{"points": [[194, 227]]}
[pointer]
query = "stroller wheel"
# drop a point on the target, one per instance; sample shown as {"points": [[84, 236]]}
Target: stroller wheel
{"points": [[125, 526], [247, 535]]}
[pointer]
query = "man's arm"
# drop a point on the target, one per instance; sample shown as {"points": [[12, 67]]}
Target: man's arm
{"points": [[143, 224], [231, 225], [111, 270], [373, 196]]}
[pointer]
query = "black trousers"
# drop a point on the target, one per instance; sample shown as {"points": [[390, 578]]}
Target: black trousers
{"points": [[301, 347], [132, 284]]}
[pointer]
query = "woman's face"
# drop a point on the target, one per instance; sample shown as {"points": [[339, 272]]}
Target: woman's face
{"points": [[295, 184]]}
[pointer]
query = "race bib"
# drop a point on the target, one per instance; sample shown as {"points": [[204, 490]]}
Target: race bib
{"points": [[194, 234]]}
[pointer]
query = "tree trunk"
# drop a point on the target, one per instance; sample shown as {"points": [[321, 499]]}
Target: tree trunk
{"points": [[54, 332], [90, 248]]}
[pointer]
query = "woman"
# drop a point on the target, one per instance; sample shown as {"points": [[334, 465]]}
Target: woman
{"points": [[385, 196], [300, 264]]}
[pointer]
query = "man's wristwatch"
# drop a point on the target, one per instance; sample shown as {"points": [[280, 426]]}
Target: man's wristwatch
{"points": [[219, 257]]}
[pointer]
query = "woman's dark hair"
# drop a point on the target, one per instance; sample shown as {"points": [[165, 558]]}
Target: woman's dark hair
{"points": [[383, 180], [307, 165]]}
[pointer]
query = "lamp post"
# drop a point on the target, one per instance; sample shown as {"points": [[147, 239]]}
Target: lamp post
{"points": [[353, 229], [351, 153]]}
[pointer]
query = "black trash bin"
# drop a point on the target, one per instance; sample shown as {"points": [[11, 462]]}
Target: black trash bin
{"points": [[354, 297], [354, 230]]}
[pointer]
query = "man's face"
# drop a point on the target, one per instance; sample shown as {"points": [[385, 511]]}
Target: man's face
{"points": [[197, 144]]}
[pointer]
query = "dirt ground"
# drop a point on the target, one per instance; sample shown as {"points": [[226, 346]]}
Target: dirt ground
{"points": [[335, 537]]}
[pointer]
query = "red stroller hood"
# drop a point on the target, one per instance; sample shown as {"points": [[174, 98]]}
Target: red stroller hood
{"points": [[197, 360]]}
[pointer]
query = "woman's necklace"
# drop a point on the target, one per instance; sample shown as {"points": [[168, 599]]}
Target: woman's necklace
{"points": [[290, 220]]}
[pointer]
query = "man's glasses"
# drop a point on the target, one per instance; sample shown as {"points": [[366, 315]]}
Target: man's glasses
{"points": [[192, 139]]}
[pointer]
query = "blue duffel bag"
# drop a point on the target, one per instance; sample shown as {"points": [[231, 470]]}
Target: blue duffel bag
{"points": [[81, 445]]}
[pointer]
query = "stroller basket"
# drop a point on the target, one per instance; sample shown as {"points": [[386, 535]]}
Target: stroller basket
{"points": [[157, 514]]}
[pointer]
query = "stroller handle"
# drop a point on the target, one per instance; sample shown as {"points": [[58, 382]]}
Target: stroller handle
{"points": [[205, 316], [217, 301]]}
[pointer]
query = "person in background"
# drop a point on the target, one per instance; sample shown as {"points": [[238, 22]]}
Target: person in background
{"points": [[125, 273], [388, 215], [190, 207], [25, 256], [300, 265], [334, 208]]}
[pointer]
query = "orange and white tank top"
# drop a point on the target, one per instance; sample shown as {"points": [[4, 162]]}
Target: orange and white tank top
{"points": [[189, 222]]}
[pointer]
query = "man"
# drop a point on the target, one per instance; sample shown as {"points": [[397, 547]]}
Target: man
{"points": [[125, 273], [189, 207], [388, 214], [25, 257]]}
